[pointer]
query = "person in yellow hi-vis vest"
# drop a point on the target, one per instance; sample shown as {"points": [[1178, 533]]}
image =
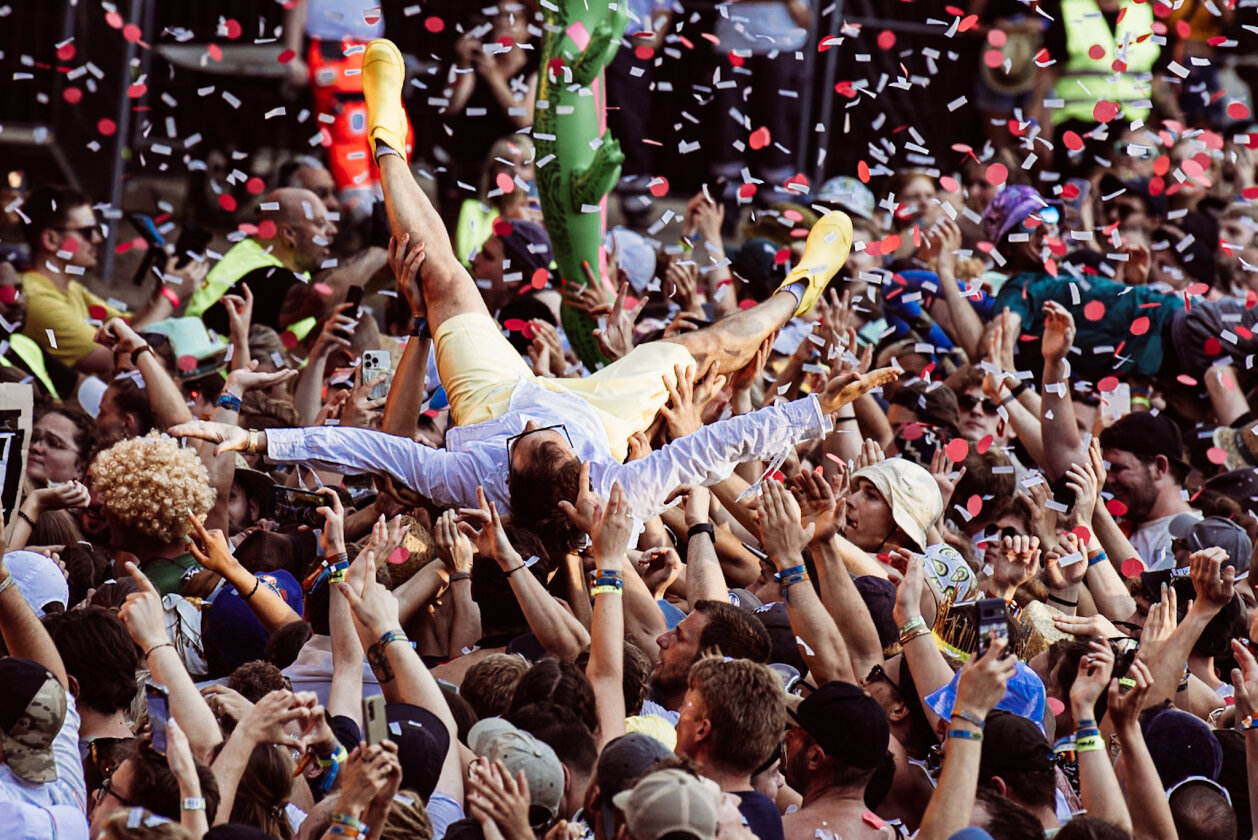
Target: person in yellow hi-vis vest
{"points": [[1102, 56], [286, 265], [20, 354]]}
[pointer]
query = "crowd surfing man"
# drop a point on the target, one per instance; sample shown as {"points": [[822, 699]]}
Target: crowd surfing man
{"points": [[734, 584]]}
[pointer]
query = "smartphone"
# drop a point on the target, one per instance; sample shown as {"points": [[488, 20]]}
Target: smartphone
{"points": [[192, 242], [376, 362], [159, 713], [375, 721], [297, 507], [993, 623]]}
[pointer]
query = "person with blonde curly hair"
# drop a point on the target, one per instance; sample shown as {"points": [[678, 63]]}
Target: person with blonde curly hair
{"points": [[148, 486]]}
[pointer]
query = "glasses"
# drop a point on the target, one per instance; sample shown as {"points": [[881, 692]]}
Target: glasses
{"points": [[967, 403], [1204, 780], [87, 232], [515, 439], [878, 673], [50, 440], [104, 755], [107, 789]]}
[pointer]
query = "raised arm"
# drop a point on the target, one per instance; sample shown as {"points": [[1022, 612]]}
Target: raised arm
{"points": [[929, 669], [212, 551], [965, 321], [1063, 445], [1098, 785], [22, 631], [704, 579], [1150, 812], [456, 551], [784, 538], [605, 670]]}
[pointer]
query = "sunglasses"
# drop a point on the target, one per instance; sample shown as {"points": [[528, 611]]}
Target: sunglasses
{"points": [[104, 755], [514, 439], [967, 403], [879, 673], [87, 232]]}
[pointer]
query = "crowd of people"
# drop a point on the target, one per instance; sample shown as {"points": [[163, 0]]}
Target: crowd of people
{"points": [[337, 535]]}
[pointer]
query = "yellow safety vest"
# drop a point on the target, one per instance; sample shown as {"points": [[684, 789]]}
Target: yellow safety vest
{"points": [[33, 355], [242, 258], [1086, 27], [475, 226]]}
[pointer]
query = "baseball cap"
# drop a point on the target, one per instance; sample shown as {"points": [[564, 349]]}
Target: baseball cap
{"points": [[1240, 485], [849, 192], [230, 628], [622, 762], [1008, 210], [1214, 531], [1147, 434], [32, 710], [670, 801], [189, 338], [911, 492], [527, 245], [634, 253], [1181, 745], [38, 579], [498, 740], [934, 402], [846, 722], [422, 743]]}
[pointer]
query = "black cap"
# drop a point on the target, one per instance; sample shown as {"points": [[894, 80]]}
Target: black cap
{"points": [[527, 245], [1239, 485], [1012, 742], [782, 645], [1147, 434], [934, 402], [422, 742], [847, 723]]}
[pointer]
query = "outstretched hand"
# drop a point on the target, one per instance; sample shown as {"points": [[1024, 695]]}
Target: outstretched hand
{"points": [[846, 387], [229, 438]]}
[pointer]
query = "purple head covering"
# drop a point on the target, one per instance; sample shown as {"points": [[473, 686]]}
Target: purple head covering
{"points": [[1007, 210]]}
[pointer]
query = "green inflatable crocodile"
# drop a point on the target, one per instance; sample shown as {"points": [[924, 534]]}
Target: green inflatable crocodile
{"points": [[577, 162]]}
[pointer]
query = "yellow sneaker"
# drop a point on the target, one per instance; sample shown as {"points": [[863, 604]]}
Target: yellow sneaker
{"points": [[384, 73], [829, 243]]}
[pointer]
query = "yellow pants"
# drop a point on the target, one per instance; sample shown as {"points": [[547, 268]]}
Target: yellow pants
{"points": [[479, 368]]}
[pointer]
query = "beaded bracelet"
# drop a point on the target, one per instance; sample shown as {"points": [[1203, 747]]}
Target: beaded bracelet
{"points": [[965, 734], [1089, 743], [229, 401], [606, 590], [1098, 556], [782, 575], [970, 717]]}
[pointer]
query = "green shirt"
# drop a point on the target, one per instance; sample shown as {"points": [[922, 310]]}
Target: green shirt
{"points": [[1104, 311], [168, 574]]}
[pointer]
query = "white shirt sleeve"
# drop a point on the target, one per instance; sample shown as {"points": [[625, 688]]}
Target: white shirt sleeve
{"points": [[446, 478], [710, 454]]}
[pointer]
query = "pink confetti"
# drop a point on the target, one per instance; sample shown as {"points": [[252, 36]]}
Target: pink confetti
{"points": [[1215, 455], [502, 228], [1056, 705], [1238, 111], [1072, 141], [984, 444], [1104, 111], [1107, 384], [949, 183], [255, 185], [1132, 567], [215, 52], [997, 174], [993, 59], [957, 449], [746, 190], [541, 277], [186, 363], [266, 229], [886, 39], [399, 555], [862, 172], [1083, 534], [131, 33], [1094, 310], [232, 28], [434, 24], [96, 312], [289, 339], [72, 95], [913, 431], [997, 37], [65, 52], [286, 56], [106, 126], [505, 183], [974, 505], [114, 20], [322, 289], [1096, 52], [759, 138], [658, 186], [1140, 326], [642, 52], [137, 90], [228, 202], [1212, 346], [1185, 379]]}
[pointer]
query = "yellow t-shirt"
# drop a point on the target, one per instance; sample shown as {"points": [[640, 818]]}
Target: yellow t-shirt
{"points": [[67, 315]]}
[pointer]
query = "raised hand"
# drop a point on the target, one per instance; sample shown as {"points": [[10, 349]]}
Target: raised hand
{"points": [[616, 340], [613, 526], [1082, 479], [1245, 680], [782, 533], [210, 548], [1095, 669], [818, 504], [658, 568], [229, 438], [686, 398], [1214, 585], [335, 333], [1059, 332], [1124, 708], [583, 512], [1061, 577], [845, 387], [333, 513], [249, 378], [1016, 563], [941, 471], [496, 797], [546, 351], [453, 546], [488, 534], [984, 679], [681, 282], [374, 608], [142, 612], [908, 595], [1163, 618], [405, 262], [871, 453], [72, 494], [239, 313]]}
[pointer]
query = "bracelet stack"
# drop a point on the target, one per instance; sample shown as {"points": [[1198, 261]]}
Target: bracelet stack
{"points": [[1089, 743], [343, 825], [791, 576], [1247, 724], [1098, 556], [965, 734], [607, 582], [331, 764], [912, 629], [337, 571], [969, 717]]}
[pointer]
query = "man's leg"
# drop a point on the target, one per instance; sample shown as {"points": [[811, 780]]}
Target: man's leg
{"points": [[448, 289], [733, 341]]}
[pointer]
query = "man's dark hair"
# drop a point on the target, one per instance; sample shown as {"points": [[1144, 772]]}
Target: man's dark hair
{"points": [[499, 608], [133, 400], [49, 207], [255, 680], [464, 715], [1007, 820], [98, 652], [735, 633], [1091, 828], [636, 679], [555, 681], [551, 476], [559, 727], [1201, 813], [153, 786]]}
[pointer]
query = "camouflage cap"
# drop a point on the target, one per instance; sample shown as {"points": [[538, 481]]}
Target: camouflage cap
{"points": [[32, 710]]}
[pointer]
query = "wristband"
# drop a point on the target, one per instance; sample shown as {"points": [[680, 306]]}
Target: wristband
{"points": [[912, 624], [140, 351], [22, 515], [793, 579], [1087, 732], [510, 572], [331, 765], [905, 638], [192, 803], [458, 576], [1247, 724], [229, 401], [970, 717], [965, 734], [701, 528], [610, 574], [1063, 602], [1089, 743], [419, 328], [1017, 390], [1097, 557], [398, 635], [170, 295], [615, 583], [606, 590], [254, 444], [1085, 723], [794, 571], [149, 652], [257, 581], [1010, 397], [336, 572]]}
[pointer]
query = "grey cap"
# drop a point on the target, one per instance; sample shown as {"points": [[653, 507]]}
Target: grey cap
{"points": [[1214, 531], [497, 740]]}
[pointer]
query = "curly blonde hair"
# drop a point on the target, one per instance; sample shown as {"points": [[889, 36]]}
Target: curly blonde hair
{"points": [[150, 484]]}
